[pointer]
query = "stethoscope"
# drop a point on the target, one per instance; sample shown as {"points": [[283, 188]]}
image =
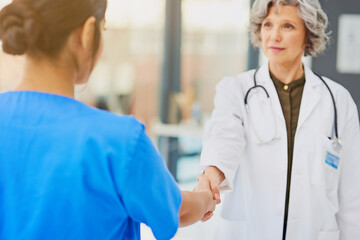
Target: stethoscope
{"points": [[335, 141]]}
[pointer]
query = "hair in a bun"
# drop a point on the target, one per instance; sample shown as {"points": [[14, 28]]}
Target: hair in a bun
{"points": [[20, 27], [42, 27]]}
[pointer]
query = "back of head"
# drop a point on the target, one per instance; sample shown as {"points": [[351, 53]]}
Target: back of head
{"points": [[43, 26]]}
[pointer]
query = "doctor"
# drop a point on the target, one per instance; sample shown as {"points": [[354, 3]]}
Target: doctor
{"points": [[282, 140]]}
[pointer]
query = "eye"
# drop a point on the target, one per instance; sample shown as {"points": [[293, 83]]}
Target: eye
{"points": [[267, 24], [288, 26]]}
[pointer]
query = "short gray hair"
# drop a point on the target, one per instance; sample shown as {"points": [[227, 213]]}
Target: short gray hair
{"points": [[310, 12]]}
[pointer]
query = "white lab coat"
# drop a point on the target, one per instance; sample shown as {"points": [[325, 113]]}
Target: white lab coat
{"points": [[324, 201]]}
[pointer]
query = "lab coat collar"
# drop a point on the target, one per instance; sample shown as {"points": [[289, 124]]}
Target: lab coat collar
{"points": [[309, 100], [310, 97], [263, 76]]}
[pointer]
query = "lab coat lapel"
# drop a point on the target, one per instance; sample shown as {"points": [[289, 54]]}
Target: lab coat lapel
{"points": [[310, 97], [263, 78]]}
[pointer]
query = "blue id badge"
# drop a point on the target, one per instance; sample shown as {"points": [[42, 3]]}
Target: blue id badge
{"points": [[332, 154], [332, 160]]}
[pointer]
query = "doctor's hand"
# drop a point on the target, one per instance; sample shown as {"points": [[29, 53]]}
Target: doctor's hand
{"points": [[211, 185], [204, 186], [215, 178]]}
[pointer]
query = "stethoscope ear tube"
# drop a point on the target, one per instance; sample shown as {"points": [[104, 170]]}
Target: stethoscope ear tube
{"points": [[255, 86]]}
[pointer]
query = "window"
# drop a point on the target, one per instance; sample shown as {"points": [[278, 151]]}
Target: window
{"points": [[214, 45], [126, 79]]}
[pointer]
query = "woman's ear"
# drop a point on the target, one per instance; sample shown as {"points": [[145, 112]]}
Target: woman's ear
{"points": [[88, 33], [306, 41]]}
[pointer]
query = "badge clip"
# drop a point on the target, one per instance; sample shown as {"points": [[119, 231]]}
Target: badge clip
{"points": [[336, 143]]}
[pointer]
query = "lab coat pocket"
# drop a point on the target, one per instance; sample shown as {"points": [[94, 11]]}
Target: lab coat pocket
{"points": [[327, 166], [231, 229], [329, 235]]}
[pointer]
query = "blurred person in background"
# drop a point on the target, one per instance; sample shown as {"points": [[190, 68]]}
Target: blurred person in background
{"points": [[69, 171], [284, 140]]}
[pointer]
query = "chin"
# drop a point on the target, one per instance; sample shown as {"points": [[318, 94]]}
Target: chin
{"points": [[277, 60]]}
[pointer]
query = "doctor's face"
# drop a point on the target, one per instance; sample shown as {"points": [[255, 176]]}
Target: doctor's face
{"points": [[283, 35]]}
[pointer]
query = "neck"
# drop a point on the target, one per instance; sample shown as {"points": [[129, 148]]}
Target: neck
{"points": [[46, 76], [287, 73]]}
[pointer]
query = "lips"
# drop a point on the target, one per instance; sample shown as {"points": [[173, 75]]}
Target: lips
{"points": [[276, 49]]}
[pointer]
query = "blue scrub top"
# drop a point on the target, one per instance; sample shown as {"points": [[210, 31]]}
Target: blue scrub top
{"points": [[69, 171]]}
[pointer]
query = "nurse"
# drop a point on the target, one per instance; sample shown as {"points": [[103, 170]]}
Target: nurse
{"points": [[288, 164], [69, 171]]}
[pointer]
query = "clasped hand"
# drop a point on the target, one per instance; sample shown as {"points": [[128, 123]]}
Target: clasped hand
{"points": [[212, 188]]}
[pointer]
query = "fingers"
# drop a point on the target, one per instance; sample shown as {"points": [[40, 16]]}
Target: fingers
{"points": [[210, 212], [206, 183], [214, 186], [207, 216], [211, 187], [203, 183], [202, 178]]}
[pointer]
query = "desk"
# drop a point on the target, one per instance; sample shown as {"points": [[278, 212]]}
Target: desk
{"points": [[176, 130]]}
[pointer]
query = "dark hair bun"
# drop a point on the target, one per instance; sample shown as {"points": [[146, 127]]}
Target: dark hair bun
{"points": [[20, 27]]}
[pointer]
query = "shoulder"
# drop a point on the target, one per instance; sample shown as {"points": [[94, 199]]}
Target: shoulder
{"points": [[114, 124], [120, 121], [106, 127], [340, 92], [315, 79], [235, 83], [238, 79], [345, 104]]}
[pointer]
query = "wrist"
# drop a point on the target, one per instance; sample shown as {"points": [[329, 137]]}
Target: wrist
{"points": [[215, 174]]}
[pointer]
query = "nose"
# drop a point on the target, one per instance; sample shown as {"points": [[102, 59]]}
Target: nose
{"points": [[275, 34]]}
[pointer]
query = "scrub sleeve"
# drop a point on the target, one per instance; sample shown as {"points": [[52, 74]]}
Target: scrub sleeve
{"points": [[151, 195]]}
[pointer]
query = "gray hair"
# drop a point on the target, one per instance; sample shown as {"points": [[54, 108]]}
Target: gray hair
{"points": [[310, 12]]}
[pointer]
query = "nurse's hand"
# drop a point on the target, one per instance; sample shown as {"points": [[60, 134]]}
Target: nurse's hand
{"points": [[205, 185], [196, 204], [213, 178]]}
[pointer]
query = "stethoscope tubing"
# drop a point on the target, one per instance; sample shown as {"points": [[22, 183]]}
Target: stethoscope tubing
{"points": [[267, 94], [255, 86], [334, 105]]}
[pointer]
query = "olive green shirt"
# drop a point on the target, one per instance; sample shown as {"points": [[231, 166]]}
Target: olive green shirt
{"points": [[290, 99]]}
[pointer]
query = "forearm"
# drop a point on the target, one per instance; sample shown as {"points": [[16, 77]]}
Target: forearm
{"points": [[193, 207]]}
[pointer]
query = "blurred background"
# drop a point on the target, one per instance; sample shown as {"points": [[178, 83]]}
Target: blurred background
{"points": [[163, 58]]}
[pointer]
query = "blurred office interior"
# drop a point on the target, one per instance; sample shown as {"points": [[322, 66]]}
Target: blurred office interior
{"points": [[163, 58]]}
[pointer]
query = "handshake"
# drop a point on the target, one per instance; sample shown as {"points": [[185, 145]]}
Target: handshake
{"points": [[201, 202]]}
